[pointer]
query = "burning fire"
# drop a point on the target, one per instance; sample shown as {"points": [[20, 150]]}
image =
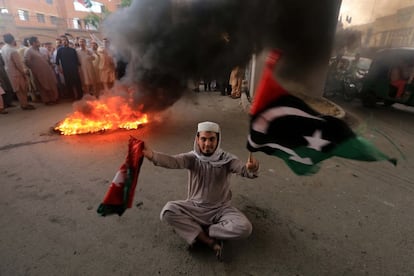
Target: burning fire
{"points": [[99, 115]]}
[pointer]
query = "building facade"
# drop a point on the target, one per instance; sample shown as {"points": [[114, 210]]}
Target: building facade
{"points": [[395, 30], [48, 19]]}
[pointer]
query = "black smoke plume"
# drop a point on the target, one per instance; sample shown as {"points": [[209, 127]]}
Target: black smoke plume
{"points": [[167, 42]]}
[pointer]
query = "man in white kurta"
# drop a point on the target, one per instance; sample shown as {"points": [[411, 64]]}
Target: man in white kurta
{"points": [[206, 215]]}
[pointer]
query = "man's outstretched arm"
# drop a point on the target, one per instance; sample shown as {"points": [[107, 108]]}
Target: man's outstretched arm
{"points": [[179, 161]]}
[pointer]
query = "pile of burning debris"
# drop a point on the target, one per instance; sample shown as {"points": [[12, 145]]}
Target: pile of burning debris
{"points": [[108, 113]]}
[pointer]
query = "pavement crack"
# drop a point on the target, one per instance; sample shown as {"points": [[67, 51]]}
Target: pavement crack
{"points": [[17, 145]]}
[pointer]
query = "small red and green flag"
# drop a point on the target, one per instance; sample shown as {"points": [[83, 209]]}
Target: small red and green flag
{"points": [[86, 3], [284, 126], [120, 193]]}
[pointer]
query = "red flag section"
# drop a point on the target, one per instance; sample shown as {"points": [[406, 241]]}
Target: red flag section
{"points": [[268, 88], [120, 194]]}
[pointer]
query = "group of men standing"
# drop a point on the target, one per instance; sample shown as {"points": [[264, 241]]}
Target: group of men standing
{"points": [[85, 70], [15, 73], [68, 71]]}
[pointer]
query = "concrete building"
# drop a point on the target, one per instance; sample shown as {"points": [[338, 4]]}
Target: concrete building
{"points": [[48, 19], [395, 30]]}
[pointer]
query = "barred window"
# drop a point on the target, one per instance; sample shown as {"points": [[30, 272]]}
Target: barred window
{"points": [[77, 23], [23, 15], [53, 20], [40, 17]]}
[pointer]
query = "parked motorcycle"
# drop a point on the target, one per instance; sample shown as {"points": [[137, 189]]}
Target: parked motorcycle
{"points": [[334, 84], [352, 84], [346, 79]]}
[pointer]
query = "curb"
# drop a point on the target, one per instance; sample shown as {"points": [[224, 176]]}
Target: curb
{"points": [[245, 102], [342, 112]]}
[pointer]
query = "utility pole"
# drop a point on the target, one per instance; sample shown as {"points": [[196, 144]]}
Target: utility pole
{"points": [[315, 27]]}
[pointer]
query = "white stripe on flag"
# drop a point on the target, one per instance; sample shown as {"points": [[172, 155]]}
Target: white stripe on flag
{"points": [[261, 123], [119, 178], [293, 155]]}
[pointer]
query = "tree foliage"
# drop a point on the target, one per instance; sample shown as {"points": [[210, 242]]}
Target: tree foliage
{"points": [[126, 3], [93, 20]]}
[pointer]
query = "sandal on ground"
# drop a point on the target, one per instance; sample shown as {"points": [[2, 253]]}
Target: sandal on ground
{"points": [[28, 107], [3, 111]]}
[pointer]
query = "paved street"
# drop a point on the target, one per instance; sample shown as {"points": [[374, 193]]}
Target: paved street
{"points": [[352, 218]]}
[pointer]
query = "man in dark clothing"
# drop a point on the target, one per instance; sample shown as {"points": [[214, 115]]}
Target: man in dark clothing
{"points": [[68, 62]]}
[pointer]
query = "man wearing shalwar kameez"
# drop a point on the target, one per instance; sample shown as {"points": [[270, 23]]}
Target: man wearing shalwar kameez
{"points": [[68, 62], [43, 74], [206, 215], [106, 66], [87, 70], [15, 71]]}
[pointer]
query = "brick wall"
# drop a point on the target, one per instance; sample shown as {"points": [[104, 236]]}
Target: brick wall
{"points": [[47, 19]]}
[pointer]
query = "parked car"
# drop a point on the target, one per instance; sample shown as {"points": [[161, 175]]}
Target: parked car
{"points": [[389, 78]]}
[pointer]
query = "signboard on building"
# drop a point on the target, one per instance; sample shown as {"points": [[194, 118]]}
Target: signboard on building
{"points": [[88, 6]]}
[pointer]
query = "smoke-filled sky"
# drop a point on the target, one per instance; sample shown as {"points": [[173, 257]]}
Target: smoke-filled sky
{"points": [[166, 43], [365, 11]]}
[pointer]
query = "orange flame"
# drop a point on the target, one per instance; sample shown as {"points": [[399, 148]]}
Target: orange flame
{"points": [[100, 115]]}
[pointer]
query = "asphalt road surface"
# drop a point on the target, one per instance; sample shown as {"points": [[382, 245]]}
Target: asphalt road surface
{"points": [[351, 218]]}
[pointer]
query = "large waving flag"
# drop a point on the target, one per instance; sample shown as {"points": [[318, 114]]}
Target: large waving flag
{"points": [[121, 192], [283, 125]]}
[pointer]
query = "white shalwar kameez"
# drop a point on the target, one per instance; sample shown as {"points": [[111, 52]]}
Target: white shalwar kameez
{"points": [[207, 207]]}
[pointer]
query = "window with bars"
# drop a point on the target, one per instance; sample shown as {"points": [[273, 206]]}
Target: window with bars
{"points": [[53, 20], [77, 23], [40, 17], [23, 15]]}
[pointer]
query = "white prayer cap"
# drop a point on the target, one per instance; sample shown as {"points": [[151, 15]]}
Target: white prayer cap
{"points": [[208, 126]]}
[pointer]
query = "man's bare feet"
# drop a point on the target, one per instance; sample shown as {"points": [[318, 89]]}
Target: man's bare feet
{"points": [[215, 245]]}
